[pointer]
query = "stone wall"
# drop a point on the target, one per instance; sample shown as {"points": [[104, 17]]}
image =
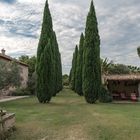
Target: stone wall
{"points": [[24, 78], [7, 123]]}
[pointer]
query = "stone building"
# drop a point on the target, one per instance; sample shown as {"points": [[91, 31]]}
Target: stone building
{"points": [[23, 67]]}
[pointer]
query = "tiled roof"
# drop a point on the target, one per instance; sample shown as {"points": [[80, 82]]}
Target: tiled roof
{"points": [[123, 77], [6, 57]]}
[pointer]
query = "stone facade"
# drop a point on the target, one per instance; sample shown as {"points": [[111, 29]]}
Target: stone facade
{"points": [[24, 75], [23, 69]]}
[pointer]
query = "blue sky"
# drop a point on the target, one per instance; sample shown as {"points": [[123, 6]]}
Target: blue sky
{"points": [[119, 27]]}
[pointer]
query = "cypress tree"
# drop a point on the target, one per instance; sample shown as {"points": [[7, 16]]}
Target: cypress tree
{"points": [[57, 67], [70, 75], [138, 51], [91, 58], [45, 73], [74, 64], [72, 72], [47, 54], [46, 31], [59, 76], [78, 79]]}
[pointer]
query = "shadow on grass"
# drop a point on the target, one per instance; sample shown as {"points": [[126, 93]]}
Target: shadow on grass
{"points": [[63, 104]]}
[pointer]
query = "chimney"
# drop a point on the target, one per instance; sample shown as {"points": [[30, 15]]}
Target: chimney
{"points": [[3, 52]]}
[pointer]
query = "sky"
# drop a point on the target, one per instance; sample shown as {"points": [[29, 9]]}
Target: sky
{"points": [[118, 22]]}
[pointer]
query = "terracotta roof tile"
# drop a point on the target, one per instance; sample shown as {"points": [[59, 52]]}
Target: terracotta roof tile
{"points": [[6, 57], [123, 77]]}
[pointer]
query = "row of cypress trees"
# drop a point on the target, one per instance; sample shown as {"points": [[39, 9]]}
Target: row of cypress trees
{"points": [[85, 75], [48, 67], [77, 67]]}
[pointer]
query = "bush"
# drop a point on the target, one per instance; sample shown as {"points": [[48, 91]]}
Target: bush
{"points": [[65, 80], [105, 96], [20, 92], [32, 84]]}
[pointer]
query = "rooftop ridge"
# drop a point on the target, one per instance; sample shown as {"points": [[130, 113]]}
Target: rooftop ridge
{"points": [[12, 59]]}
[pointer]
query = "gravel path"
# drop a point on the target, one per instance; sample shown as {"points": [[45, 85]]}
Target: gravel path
{"points": [[12, 98]]}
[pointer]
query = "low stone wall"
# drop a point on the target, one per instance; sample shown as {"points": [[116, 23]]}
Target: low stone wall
{"points": [[7, 122], [7, 91]]}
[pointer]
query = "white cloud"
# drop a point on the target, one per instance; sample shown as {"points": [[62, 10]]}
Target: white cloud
{"points": [[119, 23]]}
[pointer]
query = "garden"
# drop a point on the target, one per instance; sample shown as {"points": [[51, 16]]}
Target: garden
{"points": [[69, 117]]}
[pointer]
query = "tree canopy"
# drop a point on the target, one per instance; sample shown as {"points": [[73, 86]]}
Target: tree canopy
{"points": [[30, 61], [9, 74]]}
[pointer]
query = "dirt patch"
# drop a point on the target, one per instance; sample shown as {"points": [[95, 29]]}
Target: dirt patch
{"points": [[10, 98], [74, 132]]}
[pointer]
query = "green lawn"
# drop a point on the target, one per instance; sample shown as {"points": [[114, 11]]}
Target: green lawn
{"points": [[69, 117]]}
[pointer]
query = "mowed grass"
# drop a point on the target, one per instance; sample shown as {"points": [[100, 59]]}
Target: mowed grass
{"points": [[69, 117]]}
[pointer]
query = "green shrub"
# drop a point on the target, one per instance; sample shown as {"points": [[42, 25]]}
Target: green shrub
{"points": [[66, 83], [32, 84], [65, 80], [105, 96], [21, 92]]}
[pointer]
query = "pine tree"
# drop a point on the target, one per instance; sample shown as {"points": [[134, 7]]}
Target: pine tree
{"points": [[91, 58], [74, 63], [78, 79]]}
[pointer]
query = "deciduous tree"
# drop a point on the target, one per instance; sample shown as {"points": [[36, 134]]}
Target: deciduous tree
{"points": [[9, 74]]}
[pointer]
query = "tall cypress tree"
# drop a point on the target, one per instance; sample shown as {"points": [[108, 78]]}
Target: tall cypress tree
{"points": [[70, 75], [91, 62], [45, 74], [138, 51], [74, 65], [57, 66], [46, 59], [46, 31], [72, 72], [78, 79], [59, 76]]}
